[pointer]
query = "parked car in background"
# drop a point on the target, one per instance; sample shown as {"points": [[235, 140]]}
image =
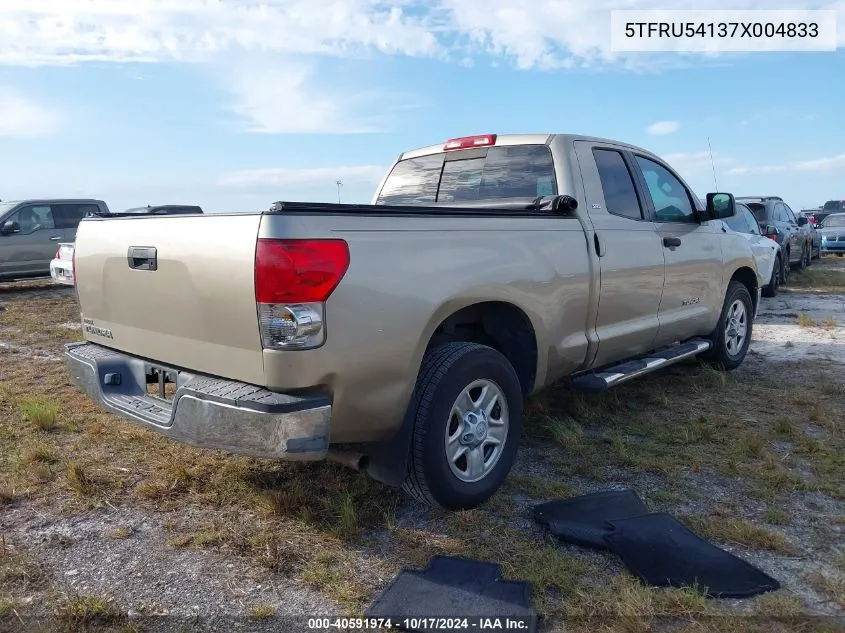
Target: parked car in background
{"points": [[832, 229], [30, 231], [792, 232], [766, 251], [402, 337], [832, 206], [815, 236], [61, 268], [165, 209]]}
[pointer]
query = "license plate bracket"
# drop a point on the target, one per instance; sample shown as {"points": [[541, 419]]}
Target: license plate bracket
{"points": [[161, 382]]}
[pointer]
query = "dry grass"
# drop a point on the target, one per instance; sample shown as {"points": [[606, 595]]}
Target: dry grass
{"points": [[262, 612], [80, 610], [316, 522], [824, 275]]}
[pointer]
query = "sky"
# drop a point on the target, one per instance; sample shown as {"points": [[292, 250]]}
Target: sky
{"points": [[233, 104]]}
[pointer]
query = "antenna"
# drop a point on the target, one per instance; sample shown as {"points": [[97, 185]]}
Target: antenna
{"points": [[339, 184], [712, 164]]}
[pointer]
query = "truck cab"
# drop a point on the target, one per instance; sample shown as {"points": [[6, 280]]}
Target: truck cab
{"points": [[31, 230]]}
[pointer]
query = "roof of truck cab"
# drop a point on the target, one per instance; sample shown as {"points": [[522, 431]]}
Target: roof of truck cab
{"points": [[52, 200], [525, 139]]}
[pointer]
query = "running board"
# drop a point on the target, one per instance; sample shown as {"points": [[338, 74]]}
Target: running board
{"points": [[612, 376]]}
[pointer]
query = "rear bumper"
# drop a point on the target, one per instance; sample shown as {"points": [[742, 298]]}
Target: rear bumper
{"points": [[833, 247], [62, 272], [205, 412]]}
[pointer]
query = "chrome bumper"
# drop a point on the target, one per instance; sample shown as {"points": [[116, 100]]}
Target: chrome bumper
{"points": [[205, 412]]}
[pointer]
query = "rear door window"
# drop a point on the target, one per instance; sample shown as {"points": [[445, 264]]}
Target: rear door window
{"points": [[620, 195], [515, 171], [68, 216]]}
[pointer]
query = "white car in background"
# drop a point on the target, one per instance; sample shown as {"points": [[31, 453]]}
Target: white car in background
{"points": [[61, 268], [766, 250]]}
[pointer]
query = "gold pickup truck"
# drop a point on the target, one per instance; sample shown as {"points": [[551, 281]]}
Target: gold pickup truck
{"points": [[402, 337]]}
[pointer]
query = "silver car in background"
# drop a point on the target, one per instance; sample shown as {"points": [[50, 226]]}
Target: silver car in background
{"points": [[832, 230]]}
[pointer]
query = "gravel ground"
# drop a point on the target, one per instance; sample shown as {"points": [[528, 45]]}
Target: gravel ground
{"points": [[146, 576]]}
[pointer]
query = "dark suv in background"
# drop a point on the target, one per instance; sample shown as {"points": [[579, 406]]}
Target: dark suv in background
{"points": [[779, 221]]}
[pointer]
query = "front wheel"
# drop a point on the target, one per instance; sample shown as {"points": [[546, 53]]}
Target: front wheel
{"points": [[732, 336], [467, 417]]}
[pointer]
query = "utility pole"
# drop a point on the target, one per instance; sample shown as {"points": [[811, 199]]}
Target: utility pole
{"points": [[339, 184]]}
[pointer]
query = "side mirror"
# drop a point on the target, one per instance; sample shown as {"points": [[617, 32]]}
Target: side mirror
{"points": [[720, 206], [802, 221], [10, 227]]}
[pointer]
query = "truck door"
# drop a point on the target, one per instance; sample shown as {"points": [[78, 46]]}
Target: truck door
{"points": [[30, 242], [629, 252], [693, 287]]}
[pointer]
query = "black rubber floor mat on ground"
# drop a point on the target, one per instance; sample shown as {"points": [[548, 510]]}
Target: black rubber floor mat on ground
{"points": [[663, 552], [454, 588], [584, 520]]}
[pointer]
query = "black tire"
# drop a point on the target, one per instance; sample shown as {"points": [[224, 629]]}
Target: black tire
{"points": [[719, 354], [802, 263], [809, 261], [785, 270], [771, 288], [445, 373]]}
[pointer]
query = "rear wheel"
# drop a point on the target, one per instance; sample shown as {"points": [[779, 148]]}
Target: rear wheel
{"points": [[802, 263], [732, 336], [809, 261], [771, 288], [467, 417]]}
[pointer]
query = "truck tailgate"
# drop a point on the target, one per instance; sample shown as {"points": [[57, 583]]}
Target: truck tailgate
{"points": [[193, 308]]}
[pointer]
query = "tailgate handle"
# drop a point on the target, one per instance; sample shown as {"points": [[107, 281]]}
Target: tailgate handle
{"points": [[142, 258]]}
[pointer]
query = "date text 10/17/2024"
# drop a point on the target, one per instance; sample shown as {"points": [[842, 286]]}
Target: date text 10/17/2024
{"points": [[416, 623]]}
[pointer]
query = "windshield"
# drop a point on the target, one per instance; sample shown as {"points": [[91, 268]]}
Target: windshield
{"points": [[511, 171], [5, 206], [834, 220]]}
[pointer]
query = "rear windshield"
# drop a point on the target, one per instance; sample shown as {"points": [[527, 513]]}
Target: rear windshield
{"points": [[759, 210], [834, 205], [516, 171]]}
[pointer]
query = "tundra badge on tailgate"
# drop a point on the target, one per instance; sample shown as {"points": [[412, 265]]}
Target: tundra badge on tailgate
{"points": [[88, 325]]}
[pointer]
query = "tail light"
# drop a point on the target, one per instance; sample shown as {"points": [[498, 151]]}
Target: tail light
{"points": [[466, 142], [58, 253], [293, 280]]}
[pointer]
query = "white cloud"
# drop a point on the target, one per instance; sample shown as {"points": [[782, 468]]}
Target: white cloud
{"points": [[692, 163], [275, 177], [20, 116], [288, 99], [551, 34], [71, 31], [283, 35], [824, 164], [663, 127]]}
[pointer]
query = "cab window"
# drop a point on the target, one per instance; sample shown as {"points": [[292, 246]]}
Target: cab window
{"points": [[33, 218], [672, 202]]}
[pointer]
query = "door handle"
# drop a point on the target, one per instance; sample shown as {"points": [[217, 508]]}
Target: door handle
{"points": [[56, 238], [597, 244], [142, 258], [671, 242]]}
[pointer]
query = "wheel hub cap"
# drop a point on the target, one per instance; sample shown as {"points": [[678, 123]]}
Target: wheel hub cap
{"points": [[476, 430]]}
